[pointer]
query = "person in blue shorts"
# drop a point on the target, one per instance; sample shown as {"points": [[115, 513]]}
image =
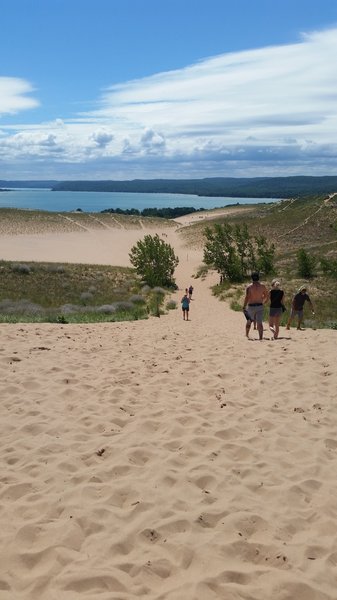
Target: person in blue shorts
{"points": [[185, 305]]}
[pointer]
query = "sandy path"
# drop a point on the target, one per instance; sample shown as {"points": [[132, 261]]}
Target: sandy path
{"points": [[167, 460]]}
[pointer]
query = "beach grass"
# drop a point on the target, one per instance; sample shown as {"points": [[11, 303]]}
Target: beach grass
{"points": [[38, 292]]}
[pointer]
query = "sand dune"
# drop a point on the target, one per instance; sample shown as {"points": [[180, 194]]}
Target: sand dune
{"points": [[163, 459]]}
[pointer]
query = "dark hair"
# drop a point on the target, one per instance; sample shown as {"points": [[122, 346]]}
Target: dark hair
{"points": [[255, 276]]}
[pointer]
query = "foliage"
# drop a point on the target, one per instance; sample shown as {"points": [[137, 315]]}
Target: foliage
{"points": [[162, 213], [244, 247], [329, 267], [154, 260], [306, 264], [234, 253], [265, 255]]}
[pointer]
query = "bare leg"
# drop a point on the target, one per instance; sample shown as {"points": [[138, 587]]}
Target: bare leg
{"points": [[300, 319], [272, 326], [248, 324], [260, 330], [276, 327]]}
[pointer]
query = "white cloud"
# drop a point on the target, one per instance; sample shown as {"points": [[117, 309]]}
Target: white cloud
{"points": [[237, 113], [14, 95], [101, 138], [276, 91]]}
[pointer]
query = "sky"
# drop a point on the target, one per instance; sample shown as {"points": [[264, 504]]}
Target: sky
{"points": [[145, 89]]}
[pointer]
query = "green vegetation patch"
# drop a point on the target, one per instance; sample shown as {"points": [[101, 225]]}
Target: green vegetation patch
{"points": [[304, 234], [68, 292]]}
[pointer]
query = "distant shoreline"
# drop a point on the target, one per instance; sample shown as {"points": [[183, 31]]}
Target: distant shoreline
{"points": [[211, 187]]}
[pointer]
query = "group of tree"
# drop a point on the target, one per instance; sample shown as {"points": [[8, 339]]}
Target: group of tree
{"points": [[234, 253], [307, 265], [164, 213]]}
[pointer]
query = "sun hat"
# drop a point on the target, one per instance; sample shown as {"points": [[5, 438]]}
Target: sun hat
{"points": [[303, 288]]}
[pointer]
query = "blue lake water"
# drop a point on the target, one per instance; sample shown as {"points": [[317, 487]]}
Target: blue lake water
{"points": [[42, 199]]}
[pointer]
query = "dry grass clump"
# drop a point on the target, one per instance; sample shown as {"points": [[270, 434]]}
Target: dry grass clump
{"points": [[171, 305]]}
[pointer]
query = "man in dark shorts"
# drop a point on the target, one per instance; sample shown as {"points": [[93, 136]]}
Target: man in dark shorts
{"points": [[297, 306], [256, 296]]}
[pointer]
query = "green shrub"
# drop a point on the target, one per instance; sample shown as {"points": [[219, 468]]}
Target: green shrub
{"points": [[235, 305], [329, 267], [154, 261], [306, 264]]}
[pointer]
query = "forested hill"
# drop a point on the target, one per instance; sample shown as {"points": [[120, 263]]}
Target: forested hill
{"points": [[28, 184], [255, 187], [252, 187]]}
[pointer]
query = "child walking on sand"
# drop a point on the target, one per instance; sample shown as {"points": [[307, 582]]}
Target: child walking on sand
{"points": [[185, 305]]}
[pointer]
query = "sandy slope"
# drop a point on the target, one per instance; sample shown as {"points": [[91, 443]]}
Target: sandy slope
{"points": [[162, 459]]}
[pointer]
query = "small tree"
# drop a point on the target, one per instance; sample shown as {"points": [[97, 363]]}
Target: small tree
{"points": [[306, 264], [329, 267], [265, 255], [154, 260]]}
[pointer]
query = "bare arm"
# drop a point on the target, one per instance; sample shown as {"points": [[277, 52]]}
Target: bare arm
{"points": [[245, 300]]}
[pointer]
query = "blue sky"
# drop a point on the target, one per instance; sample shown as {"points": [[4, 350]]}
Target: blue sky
{"points": [[124, 89]]}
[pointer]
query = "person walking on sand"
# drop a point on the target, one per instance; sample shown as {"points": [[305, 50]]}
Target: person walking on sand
{"points": [[185, 305], [190, 292], [297, 306], [276, 297], [255, 298]]}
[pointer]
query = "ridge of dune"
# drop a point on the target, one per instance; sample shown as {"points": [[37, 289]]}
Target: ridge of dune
{"points": [[162, 459]]}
